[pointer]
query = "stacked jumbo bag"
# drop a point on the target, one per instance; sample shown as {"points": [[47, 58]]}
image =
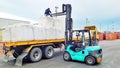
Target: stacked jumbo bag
{"points": [[55, 26], [18, 32], [47, 28]]}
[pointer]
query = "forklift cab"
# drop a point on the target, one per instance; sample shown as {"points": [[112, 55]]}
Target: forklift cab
{"points": [[81, 40], [81, 48]]}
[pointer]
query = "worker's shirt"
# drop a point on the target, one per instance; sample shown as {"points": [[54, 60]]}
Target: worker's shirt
{"points": [[47, 12]]}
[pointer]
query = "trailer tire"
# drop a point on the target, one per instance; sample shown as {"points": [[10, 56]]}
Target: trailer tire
{"points": [[48, 52], [35, 54]]}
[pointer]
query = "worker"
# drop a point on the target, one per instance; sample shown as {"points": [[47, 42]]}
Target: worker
{"points": [[77, 46], [48, 12]]}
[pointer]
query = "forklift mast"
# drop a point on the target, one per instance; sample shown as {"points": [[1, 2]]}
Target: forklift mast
{"points": [[66, 10]]}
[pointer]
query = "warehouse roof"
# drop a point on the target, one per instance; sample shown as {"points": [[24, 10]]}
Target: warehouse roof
{"points": [[14, 17]]}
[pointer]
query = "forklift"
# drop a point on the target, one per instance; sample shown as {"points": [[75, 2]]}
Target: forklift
{"points": [[81, 51], [85, 52]]}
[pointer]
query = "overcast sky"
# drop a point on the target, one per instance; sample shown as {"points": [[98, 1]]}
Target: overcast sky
{"points": [[104, 12]]}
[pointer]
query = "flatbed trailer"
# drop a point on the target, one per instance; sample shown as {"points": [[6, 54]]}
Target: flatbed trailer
{"points": [[31, 50]]}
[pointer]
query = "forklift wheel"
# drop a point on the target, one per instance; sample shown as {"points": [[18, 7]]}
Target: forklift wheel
{"points": [[66, 56], [90, 60]]}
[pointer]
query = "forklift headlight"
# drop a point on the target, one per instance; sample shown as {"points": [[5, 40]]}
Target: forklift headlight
{"points": [[100, 51]]}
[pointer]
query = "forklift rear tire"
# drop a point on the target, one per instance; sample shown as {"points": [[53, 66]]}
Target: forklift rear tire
{"points": [[90, 60], [66, 56], [35, 54], [48, 52]]}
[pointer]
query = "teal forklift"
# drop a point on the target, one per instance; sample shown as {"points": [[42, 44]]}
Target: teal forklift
{"points": [[80, 49]]}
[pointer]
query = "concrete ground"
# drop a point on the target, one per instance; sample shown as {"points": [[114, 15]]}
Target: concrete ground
{"points": [[111, 59]]}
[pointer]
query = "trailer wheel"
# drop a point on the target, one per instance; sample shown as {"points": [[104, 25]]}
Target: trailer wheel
{"points": [[90, 60], [35, 54], [66, 56], [48, 52]]}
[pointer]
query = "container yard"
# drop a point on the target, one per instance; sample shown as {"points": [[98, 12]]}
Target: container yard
{"points": [[59, 34]]}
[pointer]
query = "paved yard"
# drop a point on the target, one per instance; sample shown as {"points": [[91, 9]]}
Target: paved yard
{"points": [[111, 59]]}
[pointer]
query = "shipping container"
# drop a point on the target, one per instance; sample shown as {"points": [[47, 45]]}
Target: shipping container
{"points": [[101, 36]]}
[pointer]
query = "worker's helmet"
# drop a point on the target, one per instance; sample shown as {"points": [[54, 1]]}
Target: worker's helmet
{"points": [[49, 8]]}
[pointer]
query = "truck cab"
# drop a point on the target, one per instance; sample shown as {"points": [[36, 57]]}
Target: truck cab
{"points": [[94, 34]]}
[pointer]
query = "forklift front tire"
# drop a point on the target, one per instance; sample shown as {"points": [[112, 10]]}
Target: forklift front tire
{"points": [[66, 56], [90, 60]]}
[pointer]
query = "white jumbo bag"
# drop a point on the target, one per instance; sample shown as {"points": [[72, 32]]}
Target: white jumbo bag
{"points": [[46, 22], [22, 33], [39, 33], [50, 33], [6, 36]]}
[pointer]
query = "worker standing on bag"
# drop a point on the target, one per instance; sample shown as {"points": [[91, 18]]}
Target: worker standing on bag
{"points": [[48, 12]]}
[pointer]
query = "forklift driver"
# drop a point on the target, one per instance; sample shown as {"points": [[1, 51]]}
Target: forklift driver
{"points": [[77, 46]]}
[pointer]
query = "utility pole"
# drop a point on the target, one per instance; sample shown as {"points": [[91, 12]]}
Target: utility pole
{"points": [[86, 21], [100, 27], [107, 28], [56, 8], [113, 26]]}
